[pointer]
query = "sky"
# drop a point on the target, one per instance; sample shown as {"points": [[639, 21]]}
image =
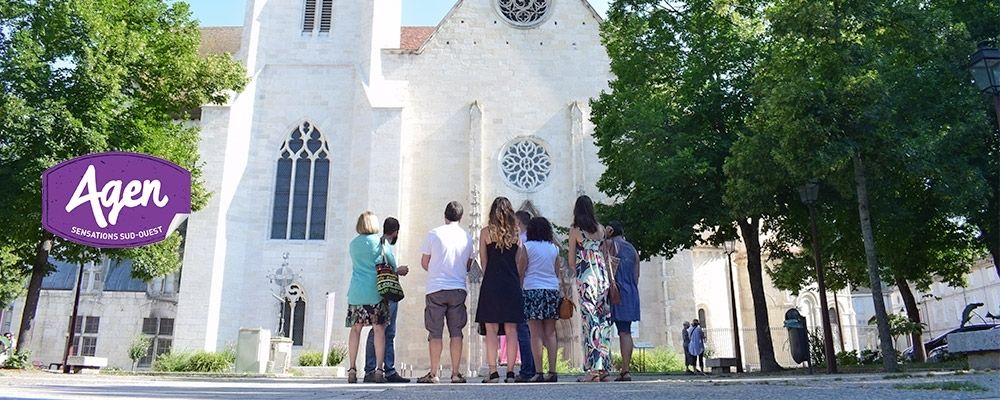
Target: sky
{"points": [[415, 12]]}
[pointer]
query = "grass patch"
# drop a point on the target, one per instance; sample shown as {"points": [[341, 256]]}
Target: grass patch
{"points": [[955, 386], [897, 376]]}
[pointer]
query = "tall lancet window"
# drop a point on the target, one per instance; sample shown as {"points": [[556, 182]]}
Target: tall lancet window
{"points": [[301, 185]]}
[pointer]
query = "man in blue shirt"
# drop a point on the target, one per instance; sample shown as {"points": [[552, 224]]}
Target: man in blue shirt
{"points": [[390, 233]]}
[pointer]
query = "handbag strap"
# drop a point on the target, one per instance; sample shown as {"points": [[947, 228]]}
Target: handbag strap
{"points": [[381, 248]]}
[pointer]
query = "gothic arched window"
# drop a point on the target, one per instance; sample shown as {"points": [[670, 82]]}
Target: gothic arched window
{"points": [[300, 186]]}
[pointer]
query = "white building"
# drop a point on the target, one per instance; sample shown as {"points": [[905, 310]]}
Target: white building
{"points": [[348, 111]]}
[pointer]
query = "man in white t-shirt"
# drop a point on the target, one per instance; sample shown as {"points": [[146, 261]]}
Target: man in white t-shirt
{"points": [[447, 257]]}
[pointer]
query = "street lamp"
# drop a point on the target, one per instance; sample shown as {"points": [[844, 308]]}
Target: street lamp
{"points": [[984, 65], [808, 193], [729, 247], [282, 278]]}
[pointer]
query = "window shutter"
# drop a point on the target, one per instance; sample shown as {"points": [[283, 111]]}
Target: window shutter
{"points": [[325, 16], [309, 20]]}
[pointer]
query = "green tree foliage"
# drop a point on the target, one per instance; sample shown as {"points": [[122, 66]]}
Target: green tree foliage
{"points": [[80, 77], [138, 349], [852, 93], [680, 98]]}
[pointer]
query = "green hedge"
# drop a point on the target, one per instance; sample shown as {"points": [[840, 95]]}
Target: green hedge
{"points": [[311, 358], [201, 361], [659, 359]]}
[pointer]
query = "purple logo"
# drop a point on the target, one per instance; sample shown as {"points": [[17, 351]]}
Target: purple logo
{"points": [[115, 199]]}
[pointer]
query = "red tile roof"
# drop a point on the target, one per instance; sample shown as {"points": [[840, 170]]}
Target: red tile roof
{"points": [[412, 37], [220, 40]]}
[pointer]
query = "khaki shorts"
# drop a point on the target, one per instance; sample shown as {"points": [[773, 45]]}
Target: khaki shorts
{"points": [[444, 304]]}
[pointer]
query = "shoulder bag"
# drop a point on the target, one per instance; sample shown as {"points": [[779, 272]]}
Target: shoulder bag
{"points": [[611, 256], [386, 279]]}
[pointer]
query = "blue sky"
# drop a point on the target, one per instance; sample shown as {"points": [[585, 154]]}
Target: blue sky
{"points": [[415, 12]]}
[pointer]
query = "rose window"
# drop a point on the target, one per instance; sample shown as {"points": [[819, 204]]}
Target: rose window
{"points": [[523, 12], [525, 164]]}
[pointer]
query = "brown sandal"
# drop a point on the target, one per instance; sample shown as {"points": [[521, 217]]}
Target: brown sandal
{"points": [[624, 376]]}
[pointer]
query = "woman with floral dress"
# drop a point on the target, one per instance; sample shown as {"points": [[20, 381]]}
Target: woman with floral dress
{"points": [[593, 284], [365, 307]]}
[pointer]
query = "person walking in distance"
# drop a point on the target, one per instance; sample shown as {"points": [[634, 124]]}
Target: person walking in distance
{"points": [[524, 342], [365, 306], [697, 346], [593, 283], [447, 257], [541, 294], [390, 234], [686, 336], [500, 300], [627, 279]]}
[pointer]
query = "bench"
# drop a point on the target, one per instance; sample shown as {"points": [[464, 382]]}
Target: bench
{"points": [[79, 364], [719, 365], [982, 347]]}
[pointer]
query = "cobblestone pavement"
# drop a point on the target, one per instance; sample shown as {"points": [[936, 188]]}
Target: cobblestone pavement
{"points": [[866, 387]]}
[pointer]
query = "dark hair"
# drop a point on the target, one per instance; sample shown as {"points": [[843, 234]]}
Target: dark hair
{"points": [[616, 228], [583, 215], [453, 212], [523, 217], [390, 226], [540, 230]]}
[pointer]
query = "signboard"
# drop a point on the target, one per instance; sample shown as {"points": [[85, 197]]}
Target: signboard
{"points": [[115, 199]]}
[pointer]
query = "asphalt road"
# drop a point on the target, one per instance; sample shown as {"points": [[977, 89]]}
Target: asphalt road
{"points": [[861, 387]]}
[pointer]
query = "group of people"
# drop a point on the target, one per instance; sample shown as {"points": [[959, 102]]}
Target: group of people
{"points": [[519, 298]]}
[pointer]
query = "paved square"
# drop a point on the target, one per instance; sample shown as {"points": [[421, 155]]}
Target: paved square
{"points": [[867, 387]]}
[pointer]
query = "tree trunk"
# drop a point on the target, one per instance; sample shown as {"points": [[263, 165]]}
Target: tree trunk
{"points": [[875, 282], [750, 230], [913, 313], [995, 253], [38, 271]]}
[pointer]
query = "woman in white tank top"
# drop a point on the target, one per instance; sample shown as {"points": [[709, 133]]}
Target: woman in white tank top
{"points": [[541, 294]]}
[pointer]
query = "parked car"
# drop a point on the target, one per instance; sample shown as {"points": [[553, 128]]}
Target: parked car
{"points": [[937, 348]]}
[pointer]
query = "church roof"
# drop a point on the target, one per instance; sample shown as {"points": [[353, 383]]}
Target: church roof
{"points": [[220, 40], [412, 37], [117, 278]]}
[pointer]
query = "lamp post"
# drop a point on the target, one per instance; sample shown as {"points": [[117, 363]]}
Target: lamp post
{"points": [[282, 278], [984, 65], [808, 194], [729, 247]]}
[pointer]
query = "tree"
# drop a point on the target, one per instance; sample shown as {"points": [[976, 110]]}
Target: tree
{"points": [[679, 99], [138, 349], [79, 77], [838, 92]]}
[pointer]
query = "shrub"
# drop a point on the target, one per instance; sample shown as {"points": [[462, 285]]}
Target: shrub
{"points": [[562, 365], [847, 358], [310, 359], [201, 361], [655, 360], [869, 357], [172, 362], [204, 361], [336, 356], [17, 360], [817, 354], [138, 348]]}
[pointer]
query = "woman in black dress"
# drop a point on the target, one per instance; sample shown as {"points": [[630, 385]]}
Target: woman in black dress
{"points": [[501, 255]]}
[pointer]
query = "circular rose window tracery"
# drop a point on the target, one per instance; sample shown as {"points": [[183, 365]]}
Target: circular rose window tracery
{"points": [[523, 13], [525, 164]]}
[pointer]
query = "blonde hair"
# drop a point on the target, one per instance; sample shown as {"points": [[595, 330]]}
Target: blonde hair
{"points": [[503, 225], [367, 224]]}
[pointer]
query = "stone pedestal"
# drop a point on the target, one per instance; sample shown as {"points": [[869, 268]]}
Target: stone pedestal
{"points": [[253, 350], [281, 355], [982, 347]]}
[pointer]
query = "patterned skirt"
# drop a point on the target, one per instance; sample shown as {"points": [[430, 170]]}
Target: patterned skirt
{"points": [[541, 304], [367, 314], [595, 310]]}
